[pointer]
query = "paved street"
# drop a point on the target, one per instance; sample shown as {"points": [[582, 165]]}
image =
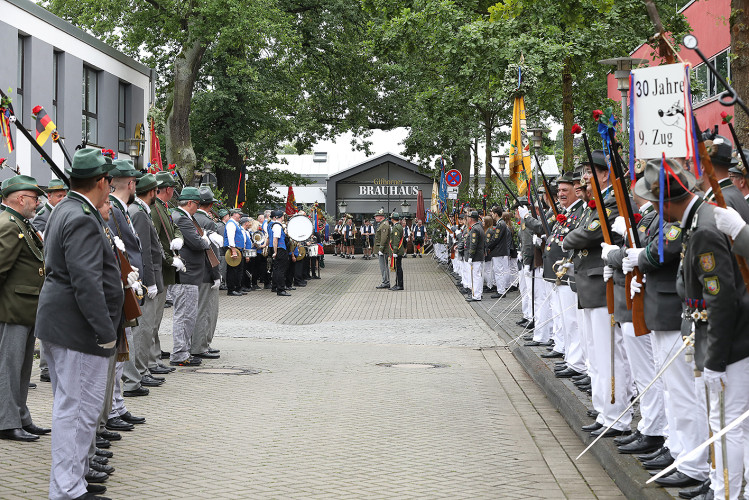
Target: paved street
{"points": [[344, 392]]}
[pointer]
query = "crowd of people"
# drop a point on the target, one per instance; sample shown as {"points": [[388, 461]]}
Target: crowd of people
{"points": [[695, 307], [345, 232], [88, 273]]}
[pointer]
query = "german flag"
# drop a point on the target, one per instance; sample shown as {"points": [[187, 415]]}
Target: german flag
{"points": [[44, 125]]}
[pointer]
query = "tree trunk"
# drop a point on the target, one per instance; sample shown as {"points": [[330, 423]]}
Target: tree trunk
{"points": [[462, 163], [568, 115], [178, 141], [488, 155], [476, 165], [739, 22], [228, 178]]}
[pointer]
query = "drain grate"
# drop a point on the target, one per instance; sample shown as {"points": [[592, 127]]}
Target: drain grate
{"points": [[226, 371], [413, 365]]}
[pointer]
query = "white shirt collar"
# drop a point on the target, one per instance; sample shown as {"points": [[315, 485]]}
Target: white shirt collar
{"points": [[644, 207], [86, 198], [688, 209], [143, 204]]}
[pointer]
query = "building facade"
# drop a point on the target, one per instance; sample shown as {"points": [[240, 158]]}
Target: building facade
{"points": [[93, 93]]}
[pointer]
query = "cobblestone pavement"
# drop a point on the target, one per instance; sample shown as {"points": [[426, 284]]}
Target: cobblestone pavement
{"points": [[330, 416]]}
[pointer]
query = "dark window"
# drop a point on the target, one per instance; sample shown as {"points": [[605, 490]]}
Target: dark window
{"points": [[711, 87], [90, 99], [20, 77], [55, 83], [122, 118]]}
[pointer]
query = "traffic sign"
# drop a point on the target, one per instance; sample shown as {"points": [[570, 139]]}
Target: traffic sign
{"points": [[453, 178], [452, 193]]}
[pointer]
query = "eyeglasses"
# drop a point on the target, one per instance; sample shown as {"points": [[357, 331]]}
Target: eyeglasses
{"points": [[36, 198]]}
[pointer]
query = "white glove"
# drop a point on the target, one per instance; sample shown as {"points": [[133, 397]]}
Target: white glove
{"points": [[527, 269], [216, 284], [137, 288], [608, 272], [715, 381], [179, 265], [118, 243], [630, 261], [537, 241], [132, 277], [380, 253], [523, 212], [557, 263], [470, 262], [619, 226], [108, 345], [217, 239], [635, 286], [176, 244], [729, 221], [606, 250], [206, 239], [395, 256], [152, 291]]}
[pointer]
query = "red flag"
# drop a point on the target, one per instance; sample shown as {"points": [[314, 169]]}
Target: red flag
{"points": [[5, 128], [241, 190], [155, 149], [44, 125], [291, 203]]}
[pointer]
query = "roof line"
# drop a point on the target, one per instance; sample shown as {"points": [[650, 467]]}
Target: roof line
{"points": [[46, 16]]}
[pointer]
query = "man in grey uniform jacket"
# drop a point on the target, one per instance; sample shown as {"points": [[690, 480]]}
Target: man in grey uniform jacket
{"points": [[194, 274], [79, 314], [205, 327]]}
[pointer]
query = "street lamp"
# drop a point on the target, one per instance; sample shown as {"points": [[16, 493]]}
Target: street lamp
{"points": [[537, 136], [134, 149], [405, 207], [502, 159], [623, 66], [342, 207]]}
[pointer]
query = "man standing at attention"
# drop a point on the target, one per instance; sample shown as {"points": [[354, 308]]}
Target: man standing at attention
{"points": [[381, 241]]}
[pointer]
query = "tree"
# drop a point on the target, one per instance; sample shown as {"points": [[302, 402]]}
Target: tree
{"points": [[739, 23]]}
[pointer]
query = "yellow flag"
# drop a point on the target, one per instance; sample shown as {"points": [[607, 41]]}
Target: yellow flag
{"points": [[520, 154], [434, 207]]}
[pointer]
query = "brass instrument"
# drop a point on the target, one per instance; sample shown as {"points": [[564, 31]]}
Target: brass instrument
{"points": [[561, 270], [302, 251]]}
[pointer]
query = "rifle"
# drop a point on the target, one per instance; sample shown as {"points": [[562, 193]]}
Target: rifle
{"points": [[517, 201], [623, 201], [52, 165], [546, 185]]}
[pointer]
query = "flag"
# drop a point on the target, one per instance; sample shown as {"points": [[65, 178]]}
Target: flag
{"points": [[241, 191], [291, 202], [314, 218], [44, 125], [5, 128], [434, 206], [155, 158], [520, 154], [443, 188]]}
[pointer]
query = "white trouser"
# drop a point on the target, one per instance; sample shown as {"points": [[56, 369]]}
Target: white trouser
{"points": [[687, 422], [736, 402], [558, 333], [573, 354], [640, 357], [477, 280], [499, 267], [465, 274], [514, 272], [601, 344], [525, 294], [586, 329], [543, 322], [487, 272]]}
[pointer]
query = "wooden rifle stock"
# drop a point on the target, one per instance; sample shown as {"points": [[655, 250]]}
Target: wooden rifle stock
{"points": [[131, 308]]}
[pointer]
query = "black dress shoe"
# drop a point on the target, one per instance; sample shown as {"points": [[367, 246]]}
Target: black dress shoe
{"points": [[17, 435], [696, 492], [569, 372], [609, 433], [235, 294], [149, 381], [96, 489], [532, 343], [553, 354], [110, 435], [302, 284], [214, 351], [157, 370], [165, 355], [622, 440], [592, 427], [160, 379], [660, 462], [576, 378], [582, 381], [592, 413], [44, 377], [395, 288], [132, 419], [584, 388], [561, 368], [290, 288], [676, 479], [530, 326], [164, 367], [101, 444], [651, 456], [642, 444], [207, 355], [32, 385], [471, 299], [37, 431], [528, 337], [383, 285], [100, 460], [187, 362], [91, 496], [106, 469], [496, 296], [93, 476], [103, 453], [522, 322], [140, 391], [283, 293]]}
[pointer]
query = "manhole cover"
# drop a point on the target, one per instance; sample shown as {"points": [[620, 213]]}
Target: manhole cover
{"points": [[412, 365], [227, 371]]}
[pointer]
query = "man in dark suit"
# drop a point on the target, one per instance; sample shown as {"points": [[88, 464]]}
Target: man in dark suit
{"points": [[193, 254], [21, 278], [79, 315]]}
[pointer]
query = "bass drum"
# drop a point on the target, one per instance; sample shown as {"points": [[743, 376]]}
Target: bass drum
{"points": [[299, 228]]}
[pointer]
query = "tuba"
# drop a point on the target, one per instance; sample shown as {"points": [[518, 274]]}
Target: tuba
{"points": [[261, 240]]}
